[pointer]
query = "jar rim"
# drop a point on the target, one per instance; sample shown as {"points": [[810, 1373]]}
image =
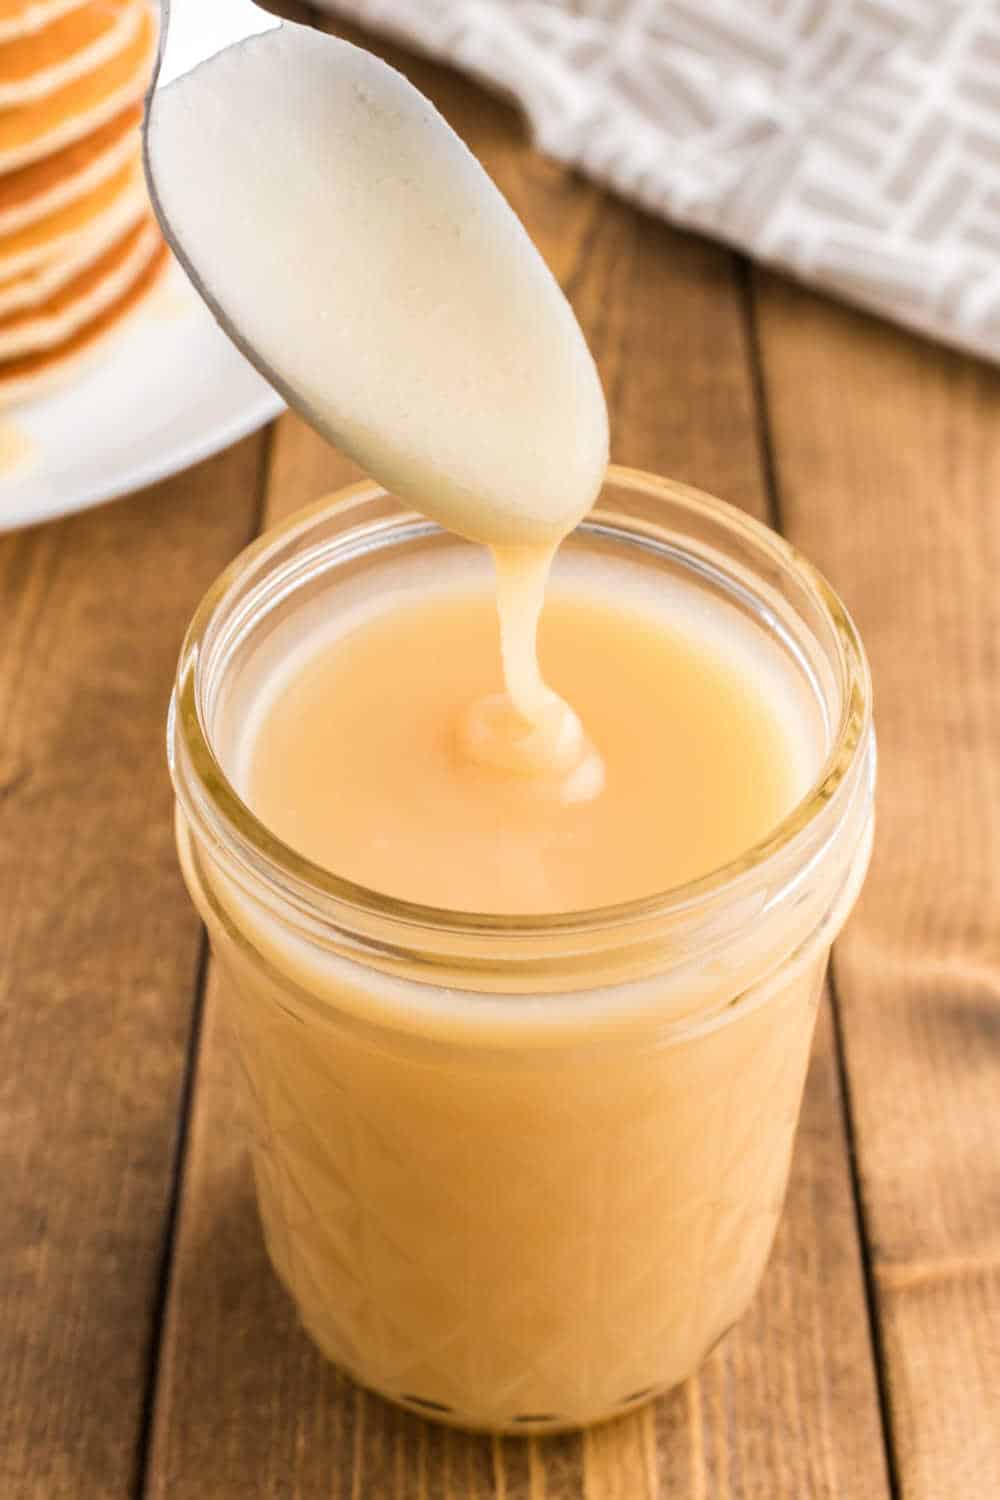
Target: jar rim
{"points": [[317, 887]]}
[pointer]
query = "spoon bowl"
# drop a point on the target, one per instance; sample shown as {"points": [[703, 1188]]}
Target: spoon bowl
{"points": [[356, 252]]}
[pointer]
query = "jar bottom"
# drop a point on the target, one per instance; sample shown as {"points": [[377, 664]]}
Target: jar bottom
{"points": [[339, 1320], [501, 1319], [519, 1424]]}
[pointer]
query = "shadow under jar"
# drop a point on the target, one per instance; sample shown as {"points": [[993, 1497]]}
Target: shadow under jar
{"points": [[520, 1173]]}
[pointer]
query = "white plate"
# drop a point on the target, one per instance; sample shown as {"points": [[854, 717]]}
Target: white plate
{"points": [[169, 391]]}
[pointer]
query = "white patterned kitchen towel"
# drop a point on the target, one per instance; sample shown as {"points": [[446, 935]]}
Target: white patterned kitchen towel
{"points": [[853, 143]]}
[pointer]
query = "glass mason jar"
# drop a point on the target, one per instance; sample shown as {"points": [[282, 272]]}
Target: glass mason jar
{"points": [[520, 1173]]}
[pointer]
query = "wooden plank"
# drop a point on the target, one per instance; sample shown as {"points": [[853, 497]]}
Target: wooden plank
{"points": [[788, 1406], [889, 471], [98, 957]]}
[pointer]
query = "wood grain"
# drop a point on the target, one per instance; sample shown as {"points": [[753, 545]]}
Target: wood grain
{"points": [[787, 1409], [888, 461], [98, 958]]}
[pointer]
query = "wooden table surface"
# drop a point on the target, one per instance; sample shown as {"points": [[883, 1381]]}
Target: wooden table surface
{"points": [[145, 1347]]}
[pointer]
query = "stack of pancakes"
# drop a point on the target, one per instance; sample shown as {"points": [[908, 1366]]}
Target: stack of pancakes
{"points": [[79, 248]]}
